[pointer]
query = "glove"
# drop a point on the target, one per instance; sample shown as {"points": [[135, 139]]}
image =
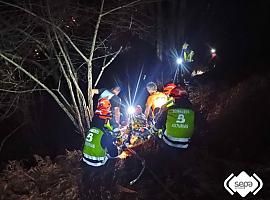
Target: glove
{"points": [[116, 130], [159, 134]]}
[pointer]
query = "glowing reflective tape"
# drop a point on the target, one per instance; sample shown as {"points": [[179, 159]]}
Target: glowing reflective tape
{"points": [[175, 145], [94, 164], [176, 139], [94, 157]]}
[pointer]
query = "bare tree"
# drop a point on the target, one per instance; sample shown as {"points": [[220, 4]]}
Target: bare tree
{"points": [[46, 48]]}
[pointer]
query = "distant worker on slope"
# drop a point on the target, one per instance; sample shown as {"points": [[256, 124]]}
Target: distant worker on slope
{"points": [[112, 96], [177, 121], [187, 53], [213, 58], [155, 100]]}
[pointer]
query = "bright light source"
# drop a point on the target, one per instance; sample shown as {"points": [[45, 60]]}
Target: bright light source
{"points": [[160, 102], [144, 76], [179, 61], [213, 51], [131, 110], [198, 72]]}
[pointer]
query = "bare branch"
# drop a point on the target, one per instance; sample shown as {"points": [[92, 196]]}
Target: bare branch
{"points": [[90, 64], [48, 22], [64, 99], [106, 65], [7, 114], [120, 7], [43, 86], [52, 47], [104, 56], [21, 91], [79, 93], [10, 134], [72, 94]]}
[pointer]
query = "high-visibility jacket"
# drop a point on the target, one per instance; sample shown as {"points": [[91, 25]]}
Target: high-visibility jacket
{"points": [[188, 56], [177, 123], [93, 153], [155, 101], [170, 102], [179, 127]]}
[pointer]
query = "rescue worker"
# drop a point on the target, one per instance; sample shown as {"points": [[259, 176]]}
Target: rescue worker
{"points": [[155, 101], [177, 121], [187, 53], [99, 142], [98, 148], [213, 59], [112, 96], [167, 90]]}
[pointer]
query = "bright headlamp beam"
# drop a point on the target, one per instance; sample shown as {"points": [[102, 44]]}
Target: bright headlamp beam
{"points": [[213, 50], [179, 61], [130, 110]]}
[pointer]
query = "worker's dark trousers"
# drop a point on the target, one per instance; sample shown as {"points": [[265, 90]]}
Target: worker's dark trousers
{"points": [[96, 181]]}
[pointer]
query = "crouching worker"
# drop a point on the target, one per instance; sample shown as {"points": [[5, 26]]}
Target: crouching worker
{"points": [[177, 121], [98, 148], [99, 143]]}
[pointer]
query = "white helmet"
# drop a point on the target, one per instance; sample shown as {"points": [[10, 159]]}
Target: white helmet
{"points": [[185, 45]]}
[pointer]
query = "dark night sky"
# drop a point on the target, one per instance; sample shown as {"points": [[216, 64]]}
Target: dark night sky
{"points": [[237, 29]]}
